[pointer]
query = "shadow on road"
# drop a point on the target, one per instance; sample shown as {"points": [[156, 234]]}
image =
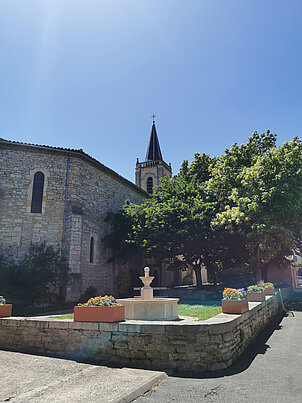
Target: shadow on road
{"points": [[258, 346]]}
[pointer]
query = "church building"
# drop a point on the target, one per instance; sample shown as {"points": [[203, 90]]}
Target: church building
{"points": [[149, 172], [62, 196]]}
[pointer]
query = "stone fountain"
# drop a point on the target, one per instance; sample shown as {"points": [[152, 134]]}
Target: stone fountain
{"points": [[146, 307]]}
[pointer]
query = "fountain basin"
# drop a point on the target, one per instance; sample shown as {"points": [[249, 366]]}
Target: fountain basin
{"points": [[152, 309]]}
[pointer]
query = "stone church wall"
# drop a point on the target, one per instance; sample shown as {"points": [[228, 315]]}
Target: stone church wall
{"points": [[96, 197], [20, 227], [92, 193]]}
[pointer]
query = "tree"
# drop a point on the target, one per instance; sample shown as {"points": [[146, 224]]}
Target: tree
{"points": [[241, 209], [174, 222], [265, 203], [42, 272]]}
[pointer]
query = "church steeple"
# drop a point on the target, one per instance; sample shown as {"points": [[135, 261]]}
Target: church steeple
{"points": [[153, 150], [149, 172]]}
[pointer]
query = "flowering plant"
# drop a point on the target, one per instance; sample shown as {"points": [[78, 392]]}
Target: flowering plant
{"points": [[2, 300], [265, 285], [255, 288], [107, 300], [234, 294]]}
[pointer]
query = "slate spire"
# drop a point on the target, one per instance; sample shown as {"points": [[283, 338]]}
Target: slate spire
{"points": [[153, 150]]}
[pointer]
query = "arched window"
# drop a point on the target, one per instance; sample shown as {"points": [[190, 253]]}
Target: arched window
{"points": [[150, 185], [37, 193], [91, 258]]}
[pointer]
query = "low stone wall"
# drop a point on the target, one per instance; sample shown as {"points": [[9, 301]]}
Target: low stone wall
{"points": [[185, 345]]}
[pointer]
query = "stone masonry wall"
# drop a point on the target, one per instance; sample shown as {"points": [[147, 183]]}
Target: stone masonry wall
{"points": [[20, 227], [92, 193], [95, 194], [154, 169], [184, 345]]}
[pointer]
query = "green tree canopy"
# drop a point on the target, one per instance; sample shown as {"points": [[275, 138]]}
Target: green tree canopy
{"points": [[242, 208], [265, 204]]}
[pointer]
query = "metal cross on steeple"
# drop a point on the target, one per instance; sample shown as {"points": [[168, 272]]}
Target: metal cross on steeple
{"points": [[153, 117]]}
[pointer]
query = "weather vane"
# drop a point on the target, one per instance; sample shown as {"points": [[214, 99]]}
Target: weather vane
{"points": [[153, 117]]}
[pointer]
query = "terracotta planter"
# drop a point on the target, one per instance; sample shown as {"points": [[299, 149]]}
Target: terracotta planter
{"points": [[269, 291], [99, 313], [5, 310], [234, 306], [256, 296]]}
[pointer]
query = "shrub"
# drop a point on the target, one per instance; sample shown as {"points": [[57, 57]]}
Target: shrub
{"points": [[41, 273]]}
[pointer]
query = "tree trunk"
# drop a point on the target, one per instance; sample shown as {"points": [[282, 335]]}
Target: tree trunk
{"points": [[197, 270], [254, 270], [214, 276], [211, 270], [176, 277], [264, 269]]}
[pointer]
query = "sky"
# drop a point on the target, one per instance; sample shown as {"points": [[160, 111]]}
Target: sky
{"points": [[89, 74]]}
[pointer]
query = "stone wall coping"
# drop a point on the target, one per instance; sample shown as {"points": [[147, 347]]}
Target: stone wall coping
{"points": [[183, 345], [219, 323]]}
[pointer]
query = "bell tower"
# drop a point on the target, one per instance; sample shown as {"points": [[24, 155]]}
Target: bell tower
{"points": [[149, 172]]}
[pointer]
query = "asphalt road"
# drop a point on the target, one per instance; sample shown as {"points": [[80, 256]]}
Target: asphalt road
{"points": [[270, 371]]}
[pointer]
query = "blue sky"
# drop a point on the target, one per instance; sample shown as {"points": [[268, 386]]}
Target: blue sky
{"points": [[89, 74]]}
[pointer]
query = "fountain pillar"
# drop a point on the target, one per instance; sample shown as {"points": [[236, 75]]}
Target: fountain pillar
{"points": [[147, 290], [148, 308]]}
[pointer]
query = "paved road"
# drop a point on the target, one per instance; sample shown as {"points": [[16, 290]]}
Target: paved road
{"points": [[271, 371], [30, 378]]}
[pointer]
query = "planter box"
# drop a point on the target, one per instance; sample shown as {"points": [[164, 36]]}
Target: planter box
{"points": [[234, 306], [99, 313], [256, 296], [269, 291], [5, 310]]}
